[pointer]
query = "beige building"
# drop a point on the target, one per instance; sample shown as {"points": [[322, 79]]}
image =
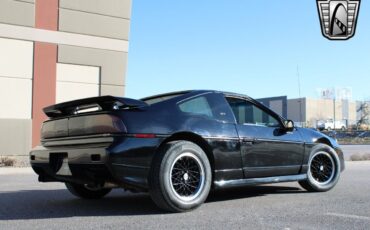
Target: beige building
{"points": [[53, 51], [308, 111]]}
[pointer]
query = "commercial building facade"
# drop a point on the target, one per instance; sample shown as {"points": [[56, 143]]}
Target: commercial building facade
{"points": [[307, 112], [277, 104], [53, 51]]}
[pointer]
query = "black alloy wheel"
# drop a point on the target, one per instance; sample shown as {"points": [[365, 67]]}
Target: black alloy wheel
{"points": [[180, 178], [323, 169]]}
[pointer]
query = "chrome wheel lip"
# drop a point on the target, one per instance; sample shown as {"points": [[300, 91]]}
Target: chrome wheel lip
{"points": [[201, 177], [333, 171]]}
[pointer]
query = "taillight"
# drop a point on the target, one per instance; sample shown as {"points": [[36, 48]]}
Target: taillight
{"points": [[54, 128], [83, 125], [95, 124]]}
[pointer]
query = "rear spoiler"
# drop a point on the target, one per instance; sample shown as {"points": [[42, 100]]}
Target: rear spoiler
{"points": [[103, 103]]}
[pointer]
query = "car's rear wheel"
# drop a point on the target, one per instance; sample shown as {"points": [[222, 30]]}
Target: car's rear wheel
{"points": [[323, 169], [87, 192], [180, 177]]}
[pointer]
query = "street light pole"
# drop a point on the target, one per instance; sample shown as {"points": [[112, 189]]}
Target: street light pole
{"points": [[334, 112], [300, 98]]}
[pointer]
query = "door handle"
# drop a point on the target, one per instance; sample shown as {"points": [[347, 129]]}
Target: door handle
{"points": [[248, 141]]}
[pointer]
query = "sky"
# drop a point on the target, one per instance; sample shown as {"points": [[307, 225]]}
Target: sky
{"points": [[248, 47]]}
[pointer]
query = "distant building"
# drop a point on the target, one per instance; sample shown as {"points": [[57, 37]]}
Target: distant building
{"points": [[277, 104], [308, 111]]}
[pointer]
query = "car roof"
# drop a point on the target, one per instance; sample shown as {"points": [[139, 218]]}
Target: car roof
{"points": [[167, 94], [196, 92]]}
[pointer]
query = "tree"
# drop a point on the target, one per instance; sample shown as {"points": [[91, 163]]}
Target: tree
{"points": [[364, 109]]}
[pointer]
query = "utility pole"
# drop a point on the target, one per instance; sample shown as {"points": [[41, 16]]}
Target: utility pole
{"points": [[299, 94], [334, 108]]}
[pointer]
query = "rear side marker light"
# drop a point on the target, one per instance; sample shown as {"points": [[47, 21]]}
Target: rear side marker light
{"points": [[144, 135]]}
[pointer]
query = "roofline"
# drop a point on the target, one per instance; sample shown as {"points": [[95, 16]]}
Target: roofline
{"points": [[197, 91], [175, 93], [236, 94]]}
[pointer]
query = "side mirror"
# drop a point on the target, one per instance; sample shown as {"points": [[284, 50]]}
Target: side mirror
{"points": [[289, 125]]}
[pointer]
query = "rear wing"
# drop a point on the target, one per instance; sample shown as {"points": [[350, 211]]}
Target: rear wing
{"points": [[103, 103]]}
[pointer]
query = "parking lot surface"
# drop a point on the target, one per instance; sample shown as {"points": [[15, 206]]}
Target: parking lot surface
{"points": [[28, 204]]}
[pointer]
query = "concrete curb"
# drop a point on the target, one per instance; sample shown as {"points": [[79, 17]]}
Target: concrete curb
{"points": [[13, 170]]}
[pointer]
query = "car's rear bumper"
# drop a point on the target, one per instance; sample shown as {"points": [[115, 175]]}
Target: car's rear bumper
{"points": [[87, 155], [88, 165], [124, 161]]}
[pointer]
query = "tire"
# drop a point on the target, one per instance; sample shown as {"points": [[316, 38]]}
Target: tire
{"points": [[83, 191], [180, 177], [323, 169]]}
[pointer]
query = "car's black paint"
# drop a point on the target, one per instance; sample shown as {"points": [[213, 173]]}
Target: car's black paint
{"points": [[236, 152]]}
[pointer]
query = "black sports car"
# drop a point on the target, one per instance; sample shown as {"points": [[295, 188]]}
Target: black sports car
{"points": [[179, 146]]}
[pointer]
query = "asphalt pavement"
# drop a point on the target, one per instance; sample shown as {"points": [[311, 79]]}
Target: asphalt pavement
{"points": [[28, 204], [350, 150]]}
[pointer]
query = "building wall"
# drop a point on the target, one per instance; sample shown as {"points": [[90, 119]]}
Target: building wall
{"points": [[351, 113], [16, 79], [18, 12], [56, 50], [321, 109], [113, 65], [76, 81], [15, 136], [314, 110], [297, 110], [277, 104], [307, 111]]}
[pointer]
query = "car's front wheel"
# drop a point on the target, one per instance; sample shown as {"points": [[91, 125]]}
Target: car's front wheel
{"points": [[86, 192], [180, 177], [323, 169]]}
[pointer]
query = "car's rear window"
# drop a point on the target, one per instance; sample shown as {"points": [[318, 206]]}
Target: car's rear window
{"points": [[198, 105]]}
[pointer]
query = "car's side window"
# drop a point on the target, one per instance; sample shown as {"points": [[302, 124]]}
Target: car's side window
{"points": [[198, 105], [247, 113]]}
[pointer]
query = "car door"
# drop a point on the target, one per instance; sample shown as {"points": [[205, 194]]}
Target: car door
{"points": [[267, 148]]}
